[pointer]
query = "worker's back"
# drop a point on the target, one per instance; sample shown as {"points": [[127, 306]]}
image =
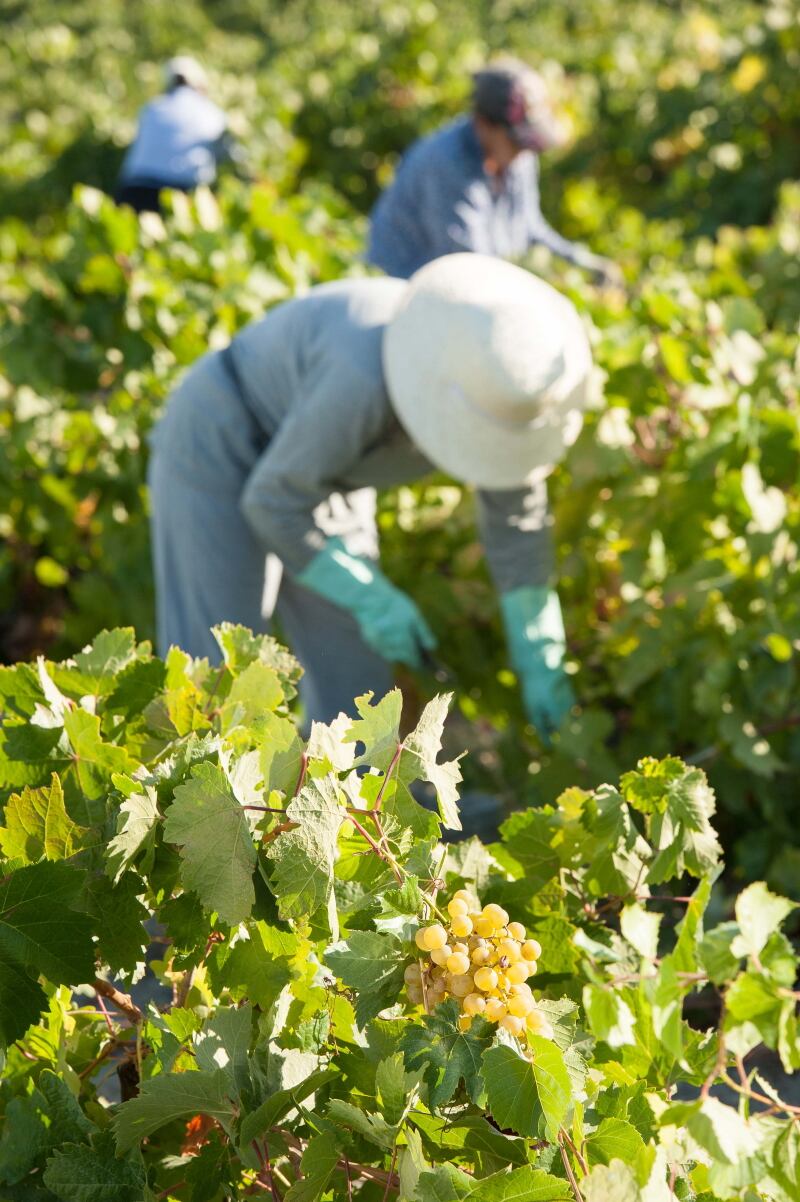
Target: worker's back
{"points": [[177, 141]]}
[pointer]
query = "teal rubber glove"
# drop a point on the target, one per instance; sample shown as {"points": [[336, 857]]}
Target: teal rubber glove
{"points": [[536, 641], [389, 620]]}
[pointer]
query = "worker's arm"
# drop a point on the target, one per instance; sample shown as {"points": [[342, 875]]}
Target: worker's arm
{"points": [[309, 458], [515, 528], [541, 233]]}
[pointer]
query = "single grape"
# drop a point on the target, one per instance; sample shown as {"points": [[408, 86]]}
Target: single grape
{"points": [[419, 939], [517, 931], [531, 949], [496, 914], [461, 948], [486, 979], [462, 895], [412, 973], [481, 954], [495, 1009], [510, 949], [461, 985], [512, 1024], [415, 994], [474, 1004], [520, 1005], [517, 973], [458, 907], [458, 964], [439, 956], [435, 937], [537, 1024], [461, 926], [485, 926]]}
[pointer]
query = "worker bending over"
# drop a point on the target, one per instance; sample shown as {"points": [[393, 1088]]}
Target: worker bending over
{"points": [[474, 185], [266, 463]]}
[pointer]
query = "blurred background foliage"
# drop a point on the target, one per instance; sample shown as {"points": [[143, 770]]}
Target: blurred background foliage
{"points": [[678, 510]]}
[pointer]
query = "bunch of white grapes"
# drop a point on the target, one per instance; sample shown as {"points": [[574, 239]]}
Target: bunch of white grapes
{"points": [[484, 961]]}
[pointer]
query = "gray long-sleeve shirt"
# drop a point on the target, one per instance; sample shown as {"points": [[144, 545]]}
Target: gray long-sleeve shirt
{"points": [[314, 419], [442, 201]]}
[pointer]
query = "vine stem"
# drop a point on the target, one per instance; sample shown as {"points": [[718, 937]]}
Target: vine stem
{"points": [[392, 765], [377, 849], [391, 1174], [568, 1167]]}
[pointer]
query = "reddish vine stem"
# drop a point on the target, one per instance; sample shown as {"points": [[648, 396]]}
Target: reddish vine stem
{"points": [[121, 1000], [377, 849], [392, 765], [302, 776], [391, 1174], [568, 1168]]}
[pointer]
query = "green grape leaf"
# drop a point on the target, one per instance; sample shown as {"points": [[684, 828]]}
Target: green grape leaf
{"points": [[281, 754], [640, 928], [136, 831], [529, 835], [715, 952], [531, 1097], [377, 728], [93, 1173], [446, 1056], [524, 1184], [444, 1183], [38, 826], [171, 1096], [302, 859], [609, 1015], [66, 1120], [254, 693], [240, 648], [419, 760], [758, 912], [394, 1087], [318, 1165], [93, 762], [119, 918], [616, 1181], [217, 853], [224, 1043], [41, 933], [371, 964], [373, 1127], [614, 1138], [254, 970], [280, 1103], [109, 653]]}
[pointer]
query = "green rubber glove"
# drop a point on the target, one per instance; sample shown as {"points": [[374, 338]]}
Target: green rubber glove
{"points": [[389, 620], [536, 641]]}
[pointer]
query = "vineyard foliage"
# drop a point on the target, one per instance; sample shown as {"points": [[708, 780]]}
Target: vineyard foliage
{"points": [[172, 807], [290, 880]]}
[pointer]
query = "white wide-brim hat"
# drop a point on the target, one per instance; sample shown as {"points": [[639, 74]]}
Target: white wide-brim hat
{"points": [[487, 367], [184, 66]]}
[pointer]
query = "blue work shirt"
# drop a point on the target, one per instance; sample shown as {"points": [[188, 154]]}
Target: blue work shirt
{"points": [[180, 138], [443, 200]]}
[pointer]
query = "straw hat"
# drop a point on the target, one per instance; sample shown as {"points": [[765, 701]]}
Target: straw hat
{"points": [[487, 368]]}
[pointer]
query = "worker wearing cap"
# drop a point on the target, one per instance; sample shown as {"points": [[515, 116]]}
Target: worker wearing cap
{"points": [[181, 137], [474, 185], [266, 463]]}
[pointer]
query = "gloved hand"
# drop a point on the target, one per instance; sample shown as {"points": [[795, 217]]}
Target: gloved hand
{"points": [[536, 640], [603, 271], [389, 620]]}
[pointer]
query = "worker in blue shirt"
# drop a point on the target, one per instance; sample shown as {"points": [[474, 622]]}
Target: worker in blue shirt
{"points": [[474, 185], [181, 138]]}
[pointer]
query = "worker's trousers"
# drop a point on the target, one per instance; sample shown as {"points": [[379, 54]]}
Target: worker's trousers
{"points": [[210, 568]]}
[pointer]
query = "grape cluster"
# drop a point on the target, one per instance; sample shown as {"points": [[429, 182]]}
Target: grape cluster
{"points": [[484, 961]]}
